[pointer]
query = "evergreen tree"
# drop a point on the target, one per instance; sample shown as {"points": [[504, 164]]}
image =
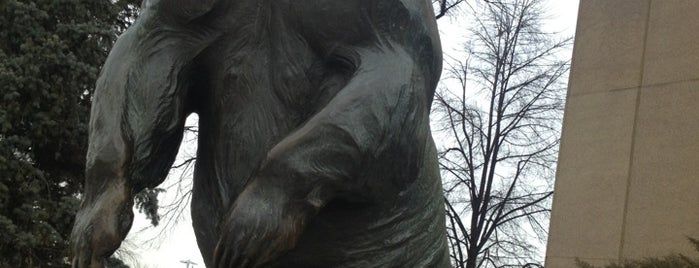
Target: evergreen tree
{"points": [[50, 55]]}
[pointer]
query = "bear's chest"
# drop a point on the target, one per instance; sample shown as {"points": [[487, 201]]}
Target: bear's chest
{"points": [[321, 22], [331, 22]]}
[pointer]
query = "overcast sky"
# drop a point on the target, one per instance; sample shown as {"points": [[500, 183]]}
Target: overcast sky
{"points": [[179, 243]]}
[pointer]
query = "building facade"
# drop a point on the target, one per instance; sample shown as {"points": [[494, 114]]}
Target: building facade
{"points": [[627, 184]]}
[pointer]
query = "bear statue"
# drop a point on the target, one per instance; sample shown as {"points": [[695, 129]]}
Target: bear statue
{"points": [[314, 145]]}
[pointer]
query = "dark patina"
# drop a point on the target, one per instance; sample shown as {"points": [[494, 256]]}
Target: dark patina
{"points": [[314, 144]]}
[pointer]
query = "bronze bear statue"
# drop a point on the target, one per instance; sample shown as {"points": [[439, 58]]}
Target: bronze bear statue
{"points": [[314, 146]]}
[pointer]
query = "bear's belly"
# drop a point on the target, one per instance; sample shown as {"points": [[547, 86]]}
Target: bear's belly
{"points": [[259, 86]]}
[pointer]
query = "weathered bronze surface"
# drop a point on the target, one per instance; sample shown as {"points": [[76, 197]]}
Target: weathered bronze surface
{"points": [[314, 143]]}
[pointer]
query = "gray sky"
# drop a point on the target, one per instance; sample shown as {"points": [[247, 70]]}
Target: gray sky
{"points": [[179, 243]]}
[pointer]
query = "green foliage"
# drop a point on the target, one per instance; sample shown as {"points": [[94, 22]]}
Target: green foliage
{"points": [[147, 202], [50, 55], [671, 261]]}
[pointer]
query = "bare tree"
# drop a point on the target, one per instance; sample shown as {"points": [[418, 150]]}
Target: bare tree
{"points": [[444, 7], [498, 117], [165, 214]]}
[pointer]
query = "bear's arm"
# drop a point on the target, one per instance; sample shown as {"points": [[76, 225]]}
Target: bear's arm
{"points": [[385, 101]]}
